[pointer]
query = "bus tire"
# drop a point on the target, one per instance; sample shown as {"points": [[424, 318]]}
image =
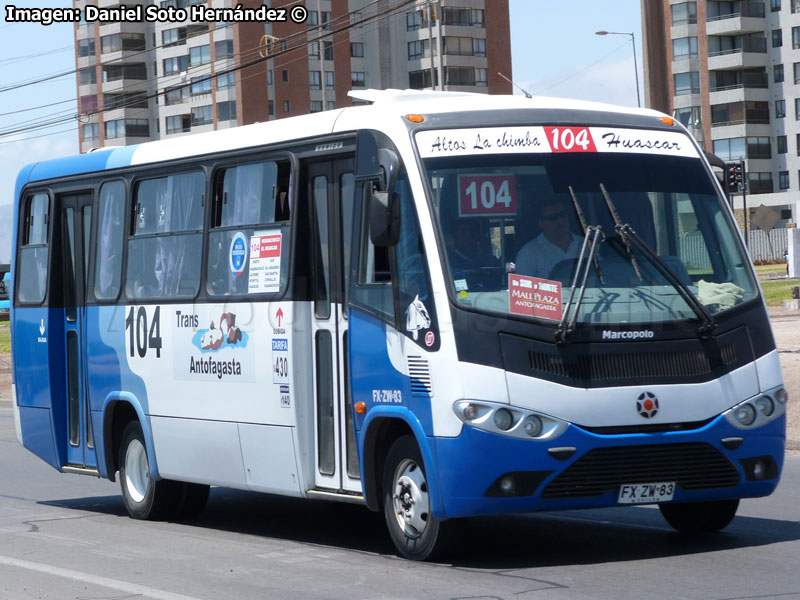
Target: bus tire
{"points": [[144, 497], [416, 533], [700, 517]]}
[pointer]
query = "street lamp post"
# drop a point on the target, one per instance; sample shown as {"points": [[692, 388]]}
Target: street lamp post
{"points": [[635, 68]]}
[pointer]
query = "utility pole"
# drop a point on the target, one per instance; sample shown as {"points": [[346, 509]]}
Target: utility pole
{"points": [[744, 205]]}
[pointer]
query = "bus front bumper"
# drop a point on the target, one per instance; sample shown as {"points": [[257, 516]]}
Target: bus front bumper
{"points": [[482, 473]]}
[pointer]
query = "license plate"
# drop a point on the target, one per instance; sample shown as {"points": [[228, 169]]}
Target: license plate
{"points": [[644, 493]]}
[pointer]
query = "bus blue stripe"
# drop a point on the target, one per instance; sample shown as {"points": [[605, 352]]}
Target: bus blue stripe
{"points": [[71, 165], [121, 157]]}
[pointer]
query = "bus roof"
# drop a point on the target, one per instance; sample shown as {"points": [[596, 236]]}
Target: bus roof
{"points": [[385, 103]]}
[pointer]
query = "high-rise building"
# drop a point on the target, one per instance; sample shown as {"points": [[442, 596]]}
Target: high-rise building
{"points": [[728, 71], [140, 80]]}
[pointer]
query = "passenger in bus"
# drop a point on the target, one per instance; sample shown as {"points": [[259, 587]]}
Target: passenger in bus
{"points": [[555, 243]]}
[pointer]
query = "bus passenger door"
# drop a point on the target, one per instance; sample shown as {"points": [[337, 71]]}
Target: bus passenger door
{"points": [[331, 193], [75, 220]]}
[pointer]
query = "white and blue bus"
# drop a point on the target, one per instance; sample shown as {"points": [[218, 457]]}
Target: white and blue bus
{"points": [[438, 305]]}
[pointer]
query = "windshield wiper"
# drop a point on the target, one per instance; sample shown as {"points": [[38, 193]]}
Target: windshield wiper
{"points": [[593, 232], [629, 236], [584, 227], [618, 224]]}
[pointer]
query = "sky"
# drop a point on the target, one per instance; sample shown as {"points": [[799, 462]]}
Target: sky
{"points": [[554, 52]]}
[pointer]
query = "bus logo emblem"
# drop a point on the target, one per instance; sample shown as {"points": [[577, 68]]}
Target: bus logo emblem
{"points": [[647, 405], [430, 338]]}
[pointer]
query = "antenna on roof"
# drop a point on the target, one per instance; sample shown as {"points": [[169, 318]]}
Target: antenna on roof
{"points": [[520, 88]]}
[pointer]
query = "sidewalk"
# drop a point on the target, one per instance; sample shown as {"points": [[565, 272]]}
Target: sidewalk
{"points": [[5, 381]]}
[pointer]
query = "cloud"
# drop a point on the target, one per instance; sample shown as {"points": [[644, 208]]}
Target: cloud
{"points": [[14, 155], [611, 81]]}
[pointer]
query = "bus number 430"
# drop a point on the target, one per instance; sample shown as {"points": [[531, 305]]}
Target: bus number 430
{"points": [[145, 338]]}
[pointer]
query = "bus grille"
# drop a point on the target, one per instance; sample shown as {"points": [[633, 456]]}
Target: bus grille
{"points": [[420, 373], [629, 364], [693, 466]]}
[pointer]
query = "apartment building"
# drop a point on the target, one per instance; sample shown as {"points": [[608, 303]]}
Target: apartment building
{"points": [[140, 81], [730, 72]]}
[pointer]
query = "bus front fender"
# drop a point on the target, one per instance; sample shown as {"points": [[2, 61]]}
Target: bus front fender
{"points": [[382, 426]]}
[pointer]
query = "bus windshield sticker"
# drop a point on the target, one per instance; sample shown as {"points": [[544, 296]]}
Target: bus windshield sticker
{"points": [[265, 262], [534, 297], [417, 317], [238, 253], [494, 195], [505, 140]]}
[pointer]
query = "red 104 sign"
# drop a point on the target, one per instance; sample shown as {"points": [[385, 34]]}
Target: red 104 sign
{"points": [[494, 195], [570, 139]]}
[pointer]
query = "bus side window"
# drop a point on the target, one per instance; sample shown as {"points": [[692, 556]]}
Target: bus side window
{"points": [[250, 199], [165, 248], [32, 269], [108, 266], [373, 281], [413, 289]]}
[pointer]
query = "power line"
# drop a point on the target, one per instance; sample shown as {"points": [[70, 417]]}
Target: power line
{"points": [[144, 83], [53, 120], [576, 73], [16, 59], [50, 76]]}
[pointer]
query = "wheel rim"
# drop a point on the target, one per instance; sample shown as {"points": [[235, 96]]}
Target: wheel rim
{"points": [[410, 498], [137, 472]]}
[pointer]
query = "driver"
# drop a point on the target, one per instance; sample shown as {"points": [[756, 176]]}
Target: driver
{"points": [[555, 243]]}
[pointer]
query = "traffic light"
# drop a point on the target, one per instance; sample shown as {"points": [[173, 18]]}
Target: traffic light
{"points": [[734, 175]]}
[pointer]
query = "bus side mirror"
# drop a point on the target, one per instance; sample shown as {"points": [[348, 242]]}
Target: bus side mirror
{"points": [[384, 209], [368, 167]]}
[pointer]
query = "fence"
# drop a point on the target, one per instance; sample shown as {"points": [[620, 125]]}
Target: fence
{"points": [[764, 246]]}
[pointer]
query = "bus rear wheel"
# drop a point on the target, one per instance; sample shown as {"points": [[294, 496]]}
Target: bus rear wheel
{"points": [[700, 517], [144, 497], [416, 533]]}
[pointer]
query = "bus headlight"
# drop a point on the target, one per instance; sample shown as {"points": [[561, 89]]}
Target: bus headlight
{"points": [[508, 420], [503, 419], [745, 414], [765, 405], [533, 425], [758, 410], [470, 412]]}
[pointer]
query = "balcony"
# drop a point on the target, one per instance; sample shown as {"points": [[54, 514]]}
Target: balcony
{"points": [[740, 120], [747, 53], [744, 17], [754, 117], [739, 44], [728, 87], [732, 80]]}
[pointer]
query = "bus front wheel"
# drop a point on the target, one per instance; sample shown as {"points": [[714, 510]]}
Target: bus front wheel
{"points": [[144, 497], [416, 533], [700, 517]]}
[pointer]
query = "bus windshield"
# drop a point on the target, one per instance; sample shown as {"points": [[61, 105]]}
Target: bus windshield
{"points": [[514, 226]]}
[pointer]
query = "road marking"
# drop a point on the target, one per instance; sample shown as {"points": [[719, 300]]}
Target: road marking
{"points": [[114, 584]]}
